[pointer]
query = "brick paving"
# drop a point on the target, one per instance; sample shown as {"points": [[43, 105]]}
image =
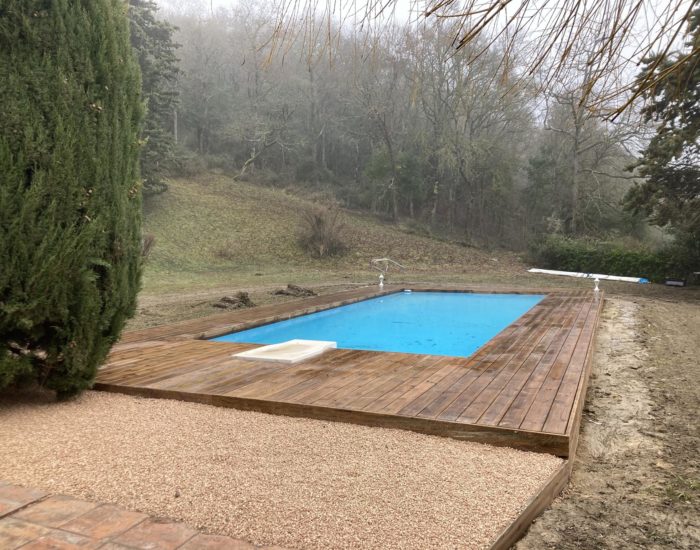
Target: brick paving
{"points": [[31, 519]]}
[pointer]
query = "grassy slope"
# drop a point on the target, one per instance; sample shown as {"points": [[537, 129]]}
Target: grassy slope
{"points": [[213, 231], [216, 236]]}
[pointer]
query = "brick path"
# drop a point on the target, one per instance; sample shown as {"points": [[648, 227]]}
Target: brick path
{"points": [[32, 520]]}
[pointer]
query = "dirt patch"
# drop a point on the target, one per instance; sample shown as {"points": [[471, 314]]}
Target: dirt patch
{"points": [[636, 480]]}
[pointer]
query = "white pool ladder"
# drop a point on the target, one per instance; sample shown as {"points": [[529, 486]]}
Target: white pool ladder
{"points": [[382, 265]]}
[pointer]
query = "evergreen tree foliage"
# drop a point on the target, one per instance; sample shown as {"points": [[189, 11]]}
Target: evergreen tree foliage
{"points": [[152, 40], [670, 195], [70, 200]]}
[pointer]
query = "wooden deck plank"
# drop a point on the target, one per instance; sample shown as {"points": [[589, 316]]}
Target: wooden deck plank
{"points": [[433, 399], [573, 427], [336, 376], [403, 372], [394, 402], [221, 378], [370, 369], [491, 382], [401, 366], [450, 404], [420, 374], [525, 399], [537, 362], [295, 380], [539, 410], [319, 386], [560, 411], [165, 366], [512, 385], [445, 392], [364, 367]]}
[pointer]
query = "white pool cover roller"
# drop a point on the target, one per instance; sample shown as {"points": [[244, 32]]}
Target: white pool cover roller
{"points": [[590, 275], [291, 351]]}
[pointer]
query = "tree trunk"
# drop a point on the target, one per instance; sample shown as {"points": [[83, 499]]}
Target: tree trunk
{"points": [[436, 196], [175, 126], [451, 208], [394, 174], [324, 165], [574, 182]]}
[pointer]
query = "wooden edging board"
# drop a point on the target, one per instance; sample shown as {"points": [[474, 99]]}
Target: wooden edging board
{"points": [[574, 427], [538, 442], [538, 504]]}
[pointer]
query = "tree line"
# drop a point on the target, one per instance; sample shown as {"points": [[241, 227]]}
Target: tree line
{"points": [[394, 120]]}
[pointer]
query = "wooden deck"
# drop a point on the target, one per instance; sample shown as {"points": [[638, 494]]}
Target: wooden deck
{"points": [[524, 388]]}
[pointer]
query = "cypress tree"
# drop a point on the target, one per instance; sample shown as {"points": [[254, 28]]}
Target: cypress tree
{"points": [[70, 198]]}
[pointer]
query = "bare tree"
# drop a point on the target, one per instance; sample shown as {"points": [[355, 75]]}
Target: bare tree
{"points": [[545, 32]]}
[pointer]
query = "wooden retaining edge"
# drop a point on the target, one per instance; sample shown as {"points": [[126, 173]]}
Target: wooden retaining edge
{"points": [[537, 504], [556, 444], [574, 427]]}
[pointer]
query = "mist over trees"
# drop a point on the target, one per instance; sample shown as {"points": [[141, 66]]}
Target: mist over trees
{"points": [[396, 121]]}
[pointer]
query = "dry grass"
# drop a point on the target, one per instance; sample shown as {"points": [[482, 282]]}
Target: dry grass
{"points": [[270, 479], [211, 230], [215, 233]]}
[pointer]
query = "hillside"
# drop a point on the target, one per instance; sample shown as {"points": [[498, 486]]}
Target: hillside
{"points": [[212, 230]]}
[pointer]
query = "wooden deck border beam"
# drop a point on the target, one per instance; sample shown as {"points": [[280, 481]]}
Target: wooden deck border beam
{"points": [[538, 442], [546, 494]]}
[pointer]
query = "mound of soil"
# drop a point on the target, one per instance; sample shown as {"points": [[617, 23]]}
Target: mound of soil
{"points": [[296, 291], [238, 301]]}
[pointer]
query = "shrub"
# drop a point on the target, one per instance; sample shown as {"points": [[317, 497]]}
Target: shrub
{"points": [[567, 254], [227, 251], [188, 164], [321, 232], [70, 201]]}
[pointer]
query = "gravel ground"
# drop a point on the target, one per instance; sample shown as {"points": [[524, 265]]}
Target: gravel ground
{"points": [[269, 479]]}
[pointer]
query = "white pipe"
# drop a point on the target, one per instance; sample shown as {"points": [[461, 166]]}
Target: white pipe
{"points": [[590, 275]]}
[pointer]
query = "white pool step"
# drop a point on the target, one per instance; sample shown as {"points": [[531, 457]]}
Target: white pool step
{"points": [[290, 352]]}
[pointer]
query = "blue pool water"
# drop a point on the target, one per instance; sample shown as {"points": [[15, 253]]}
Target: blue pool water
{"points": [[434, 323]]}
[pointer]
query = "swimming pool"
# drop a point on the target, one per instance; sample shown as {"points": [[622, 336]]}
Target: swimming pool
{"points": [[432, 323]]}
